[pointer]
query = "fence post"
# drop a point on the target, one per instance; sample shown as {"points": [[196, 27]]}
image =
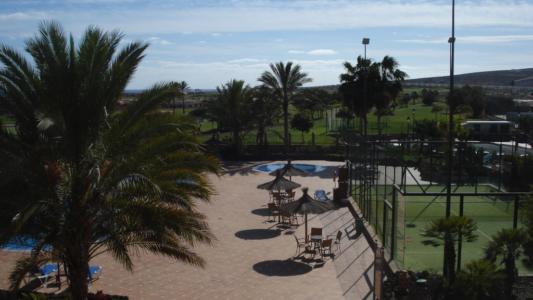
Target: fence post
{"points": [[290, 138], [337, 139], [266, 137], [218, 135], [313, 138]]}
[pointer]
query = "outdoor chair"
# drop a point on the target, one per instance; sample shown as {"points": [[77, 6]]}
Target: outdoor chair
{"points": [[291, 196], [94, 270], [273, 210], [42, 273], [315, 231], [321, 195], [325, 246], [277, 197], [300, 243], [270, 195], [337, 239], [287, 216]]}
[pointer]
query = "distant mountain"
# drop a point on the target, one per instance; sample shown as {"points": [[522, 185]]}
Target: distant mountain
{"points": [[522, 77]]}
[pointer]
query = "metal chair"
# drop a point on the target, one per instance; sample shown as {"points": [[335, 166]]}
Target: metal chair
{"points": [[337, 239], [325, 246], [300, 243], [273, 210]]}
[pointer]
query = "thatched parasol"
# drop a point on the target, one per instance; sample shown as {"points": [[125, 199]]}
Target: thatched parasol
{"points": [[290, 170], [307, 205], [279, 184], [214, 141]]}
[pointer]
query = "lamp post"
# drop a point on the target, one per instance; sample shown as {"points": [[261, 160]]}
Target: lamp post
{"points": [[414, 111], [408, 120], [366, 41]]}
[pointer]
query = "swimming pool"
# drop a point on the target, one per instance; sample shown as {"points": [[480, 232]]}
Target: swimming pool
{"points": [[274, 167]]}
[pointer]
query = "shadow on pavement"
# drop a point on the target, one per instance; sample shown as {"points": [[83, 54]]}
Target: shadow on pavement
{"points": [[282, 268], [258, 234]]}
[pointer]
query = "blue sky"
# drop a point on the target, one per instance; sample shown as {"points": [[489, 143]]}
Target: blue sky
{"points": [[207, 43]]}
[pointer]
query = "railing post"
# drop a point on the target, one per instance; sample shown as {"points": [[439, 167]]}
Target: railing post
{"points": [[313, 138]]}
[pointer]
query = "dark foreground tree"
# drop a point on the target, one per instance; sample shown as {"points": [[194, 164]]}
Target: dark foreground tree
{"points": [[80, 179], [479, 280], [446, 232], [507, 244], [284, 80]]}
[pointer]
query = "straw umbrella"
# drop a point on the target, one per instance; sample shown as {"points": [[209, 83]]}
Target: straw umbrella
{"points": [[307, 205], [278, 184], [290, 170]]}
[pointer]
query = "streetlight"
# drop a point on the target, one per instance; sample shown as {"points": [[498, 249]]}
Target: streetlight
{"points": [[414, 111], [366, 41], [408, 121], [515, 134]]}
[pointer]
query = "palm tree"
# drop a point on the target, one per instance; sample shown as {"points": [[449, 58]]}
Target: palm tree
{"points": [[81, 179], [507, 244], [284, 80], [388, 85], [436, 109], [352, 90], [266, 109], [232, 107], [183, 88], [447, 232], [479, 280]]}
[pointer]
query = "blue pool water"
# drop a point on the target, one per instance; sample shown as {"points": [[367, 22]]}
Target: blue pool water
{"points": [[274, 167]]}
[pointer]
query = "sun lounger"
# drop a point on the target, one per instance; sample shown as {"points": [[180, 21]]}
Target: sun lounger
{"points": [[321, 195], [94, 270], [42, 273]]}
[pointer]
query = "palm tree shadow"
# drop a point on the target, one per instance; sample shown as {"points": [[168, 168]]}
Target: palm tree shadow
{"points": [[258, 234]]}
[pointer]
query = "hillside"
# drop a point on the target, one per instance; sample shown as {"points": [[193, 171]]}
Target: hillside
{"points": [[522, 77]]}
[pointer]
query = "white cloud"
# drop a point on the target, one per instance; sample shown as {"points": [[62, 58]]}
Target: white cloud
{"points": [[296, 51], [165, 42], [153, 39], [322, 51], [201, 42], [279, 40], [215, 34], [474, 39], [246, 60]]}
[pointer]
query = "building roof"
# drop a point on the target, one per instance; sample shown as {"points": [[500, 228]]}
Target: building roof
{"points": [[487, 122]]}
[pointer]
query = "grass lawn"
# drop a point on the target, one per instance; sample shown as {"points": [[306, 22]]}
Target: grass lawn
{"points": [[490, 213]]}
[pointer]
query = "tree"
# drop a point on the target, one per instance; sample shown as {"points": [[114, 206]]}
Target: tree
{"points": [[429, 97], [436, 109], [266, 109], [232, 108], [507, 245], [479, 280], [388, 84], [352, 89], [302, 122], [477, 101], [446, 232], [81, 178], [284, 80], [183, 88], [414, 96], [345, 114], [406, 97]]}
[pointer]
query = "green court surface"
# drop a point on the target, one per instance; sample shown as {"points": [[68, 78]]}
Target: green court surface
{"points": [[491, 213]]}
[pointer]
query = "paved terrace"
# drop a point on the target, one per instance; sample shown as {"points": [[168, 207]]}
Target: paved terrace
{"points": [[253, 257]]}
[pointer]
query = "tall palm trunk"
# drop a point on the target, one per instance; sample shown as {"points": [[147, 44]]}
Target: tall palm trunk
{"points": [[286, 124], [379, 126], [78, 270]]}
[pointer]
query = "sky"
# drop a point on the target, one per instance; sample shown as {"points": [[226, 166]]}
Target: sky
{"points": [[208, 43]]}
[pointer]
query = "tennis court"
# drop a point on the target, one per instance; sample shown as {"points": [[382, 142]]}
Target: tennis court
{"points": [[491, 213]]}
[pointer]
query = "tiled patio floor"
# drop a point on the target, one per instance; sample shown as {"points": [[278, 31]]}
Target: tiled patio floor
{"points": [[253, 257]]}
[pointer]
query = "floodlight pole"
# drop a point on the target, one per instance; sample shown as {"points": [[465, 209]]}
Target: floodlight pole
{"points": [[366, 41], [451, 41]]}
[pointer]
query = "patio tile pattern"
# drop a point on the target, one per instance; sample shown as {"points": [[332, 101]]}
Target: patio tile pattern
{"points": [[252, 258]]}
